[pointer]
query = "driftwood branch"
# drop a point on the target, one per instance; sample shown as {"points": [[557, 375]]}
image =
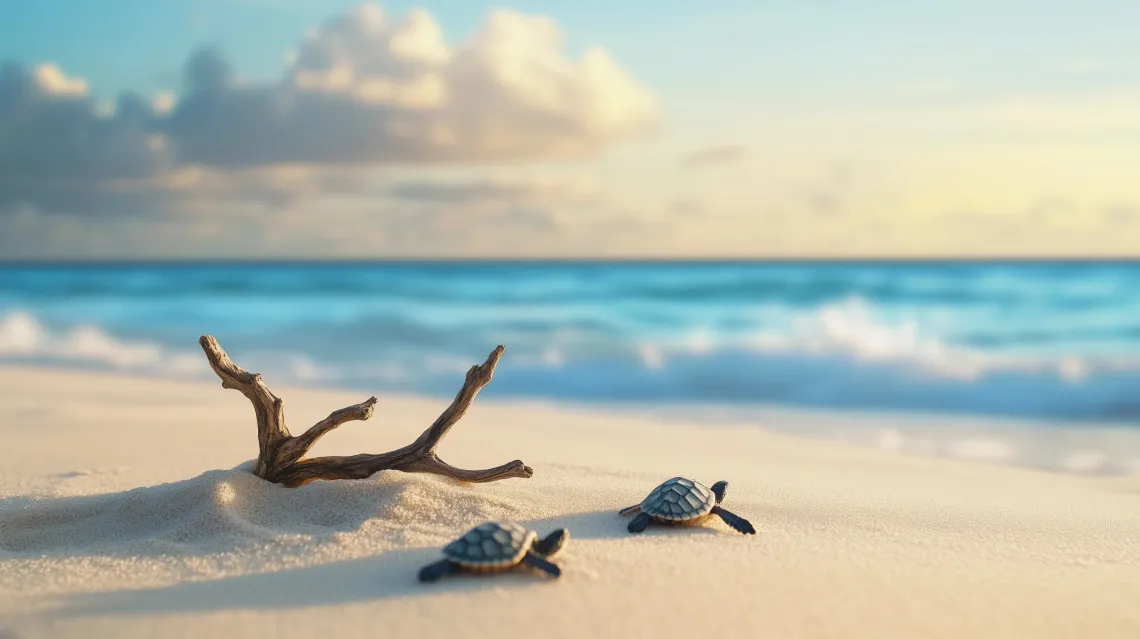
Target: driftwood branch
{"points": [[281, 459]]}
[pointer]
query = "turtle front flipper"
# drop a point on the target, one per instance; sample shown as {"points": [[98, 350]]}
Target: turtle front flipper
{"points": [[639, 523], [433, 572], [552, 543], [630, 510], [736, 522], [720, 489], [534, 560]]}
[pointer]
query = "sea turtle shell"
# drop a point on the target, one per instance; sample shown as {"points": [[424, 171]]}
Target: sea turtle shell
{"points": [[491, 545], [679, 500]]}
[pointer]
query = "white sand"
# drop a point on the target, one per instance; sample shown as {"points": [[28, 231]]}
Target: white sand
{"points": [[114, 522]]}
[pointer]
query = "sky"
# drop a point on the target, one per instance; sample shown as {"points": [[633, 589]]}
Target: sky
{"points": [[133, 129]]}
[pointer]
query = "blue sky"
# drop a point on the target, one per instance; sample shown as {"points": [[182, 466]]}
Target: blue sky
{"points": [[257, 33], [141, 45], [917, 104]]}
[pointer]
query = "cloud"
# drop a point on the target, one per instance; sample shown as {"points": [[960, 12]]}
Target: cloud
{"points": [[59, 149], [517, 214], [496, 190], [63, 152], [362, 91], [713, 156], [536, 225]]}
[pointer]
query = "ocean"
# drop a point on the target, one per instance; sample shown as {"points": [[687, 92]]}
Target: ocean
{"points": [[1044, 341]]}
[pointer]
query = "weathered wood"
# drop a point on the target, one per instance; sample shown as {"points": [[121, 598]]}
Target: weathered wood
{"points": [[281, 459]]}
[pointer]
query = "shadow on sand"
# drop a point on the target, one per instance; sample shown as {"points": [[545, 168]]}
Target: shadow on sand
{"points": [[389, 575]]}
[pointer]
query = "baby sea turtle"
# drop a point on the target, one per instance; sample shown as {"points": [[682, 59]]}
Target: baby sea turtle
{"points": [[684, 501], [496, 546]]}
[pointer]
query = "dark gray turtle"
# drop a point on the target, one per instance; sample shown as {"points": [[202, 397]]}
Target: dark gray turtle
{"points": [[496, 546], [681, 501]]}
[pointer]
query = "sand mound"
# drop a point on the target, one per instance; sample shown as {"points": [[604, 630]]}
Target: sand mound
{"points": [[226, 521]]}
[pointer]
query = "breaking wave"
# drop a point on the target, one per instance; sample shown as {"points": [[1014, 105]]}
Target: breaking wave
{"points": [[840, 355]]}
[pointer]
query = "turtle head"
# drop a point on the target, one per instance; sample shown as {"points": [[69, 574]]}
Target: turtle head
{"points": [[552, 543], [720, 489]]}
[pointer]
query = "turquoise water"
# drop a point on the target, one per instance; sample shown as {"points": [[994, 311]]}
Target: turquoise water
{"points": [[1040, 340]]}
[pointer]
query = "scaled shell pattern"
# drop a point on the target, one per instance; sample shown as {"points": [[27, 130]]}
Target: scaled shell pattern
{"points": [[679, 499], [492, 543]]}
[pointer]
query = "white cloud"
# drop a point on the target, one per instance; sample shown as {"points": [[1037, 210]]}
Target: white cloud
{"points": [[163, 103], [363, 90], [52, 81], [366, 89]]}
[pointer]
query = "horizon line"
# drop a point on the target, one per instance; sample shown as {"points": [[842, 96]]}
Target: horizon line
{"points": [[569, 261]]}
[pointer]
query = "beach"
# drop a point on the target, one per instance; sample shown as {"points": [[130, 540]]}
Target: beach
{"points": [[873, 308], [127, 510]]}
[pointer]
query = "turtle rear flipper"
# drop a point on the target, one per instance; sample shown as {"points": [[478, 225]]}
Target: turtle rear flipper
{"points": [[433, 572], [736, 522], [639, 523], [534, 560], [630, 510]]}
